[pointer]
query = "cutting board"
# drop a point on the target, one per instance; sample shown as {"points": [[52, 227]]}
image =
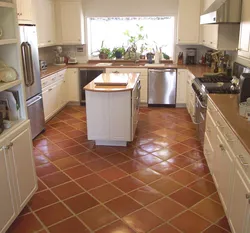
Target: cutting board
{"points": [[111, 80]]}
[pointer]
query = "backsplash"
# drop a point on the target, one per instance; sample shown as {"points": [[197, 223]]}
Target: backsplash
{"points": [[78, 51]]}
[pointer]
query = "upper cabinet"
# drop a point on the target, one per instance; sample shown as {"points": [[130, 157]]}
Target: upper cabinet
{"points": [[24, 10], [188, 30], [45, 21], [244, 40], [220, 36], [70, 22]]}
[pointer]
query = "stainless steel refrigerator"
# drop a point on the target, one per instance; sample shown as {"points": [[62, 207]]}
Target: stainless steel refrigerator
{"points": [[32, 80]]}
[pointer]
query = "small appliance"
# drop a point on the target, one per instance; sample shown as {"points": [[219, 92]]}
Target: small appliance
{"points": [[59, 60], [72, 60], [244, 86], [43, 65], [190, 56]]}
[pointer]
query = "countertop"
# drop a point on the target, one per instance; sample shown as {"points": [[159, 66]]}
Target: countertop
{"points": [[132, 80], [229, 109], [196, 70]]}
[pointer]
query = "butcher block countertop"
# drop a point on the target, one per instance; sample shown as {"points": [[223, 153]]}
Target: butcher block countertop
{"points": [[130, 78], [196, 70], [229, 109]]}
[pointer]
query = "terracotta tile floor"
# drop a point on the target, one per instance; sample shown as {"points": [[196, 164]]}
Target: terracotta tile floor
{"points": [[160, 183]]}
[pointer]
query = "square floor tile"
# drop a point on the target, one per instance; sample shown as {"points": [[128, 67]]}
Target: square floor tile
{"points": [[194, 154], [81, 202], [67, 143], [142, 221], [67, 190], [123, 205], [42, 199], [131, 166], [117, 158], [186, 197], [46, 169], [57, 138], [183, 177], [147, 175], [98, 165], [105, 193], [180, 148], [66, 163], [215, 229], [165, 228], [209, 209], [78, 171], [53, 214], [69, 225], [90, 181], [74, 150], [134, 153], [181, 161], [55, 179], [145, 195], [165, 168], [87, 156], [118, 226], [198, 168], [192, 142], [223, 223], [112, 173], [27, 223], [56, 154], [165, 186], [40, 160], [128, 184], [151, 147], [75, 133], [149, 160], [165, 208], [190, 222], [203, 187], [165, 153], [41, 185], [97, 217], [104, 151]]}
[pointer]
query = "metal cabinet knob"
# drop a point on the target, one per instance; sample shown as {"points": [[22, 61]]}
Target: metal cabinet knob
{"points": [[222, 147], [248, 196], [242, 160]]}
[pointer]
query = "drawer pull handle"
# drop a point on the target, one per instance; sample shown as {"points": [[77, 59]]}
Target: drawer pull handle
{"points": [[242, 160], [248, 196], [228, 138], [50, 89], [222, 147]]}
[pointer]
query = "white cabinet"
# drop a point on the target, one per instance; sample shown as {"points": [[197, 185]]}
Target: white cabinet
{"points": [[220, 36], [24, 10], [17, 174], [181, 87], [143, 79], [190, 95], [70, 22], [7, 210], [45, 22], [188, 30], [55, 93], [240, 206], [72, 78], [244, 40]]}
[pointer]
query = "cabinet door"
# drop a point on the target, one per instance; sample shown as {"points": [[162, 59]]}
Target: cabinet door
{"points": [[73, 85], [244, 40], [239, 202], [55, 98], [24, 10], [7, 210], [144, 89], [46, 104], [181, 86], [71, 21], [189, 22], [21, 154], [225, 181], [64, 92]]}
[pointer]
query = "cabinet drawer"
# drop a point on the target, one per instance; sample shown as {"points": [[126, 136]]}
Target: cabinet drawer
{"points": [[61, 74], [48, 80], [142, 71], [211, 109]]}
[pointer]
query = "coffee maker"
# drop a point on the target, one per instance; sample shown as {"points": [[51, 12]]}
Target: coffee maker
{"points": [[190, 56]]}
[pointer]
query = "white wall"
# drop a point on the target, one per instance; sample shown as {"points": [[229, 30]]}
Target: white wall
{"points": [[95, 8]]}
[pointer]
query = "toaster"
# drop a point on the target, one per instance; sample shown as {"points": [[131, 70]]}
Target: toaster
{"points": [[244, 86], [43, 65]]}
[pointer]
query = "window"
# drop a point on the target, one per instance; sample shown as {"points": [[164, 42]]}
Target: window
{"points": [[159, 30]]}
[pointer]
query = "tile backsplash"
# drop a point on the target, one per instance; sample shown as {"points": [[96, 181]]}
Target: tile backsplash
{"points": [[78, 51]]}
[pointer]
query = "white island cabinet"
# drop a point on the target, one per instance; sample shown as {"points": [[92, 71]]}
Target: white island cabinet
{"points": [[112, 111]]}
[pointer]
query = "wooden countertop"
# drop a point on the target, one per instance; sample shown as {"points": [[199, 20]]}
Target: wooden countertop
{"points": [[52, 69], [131, 77], [196, 70], [229, 109]]}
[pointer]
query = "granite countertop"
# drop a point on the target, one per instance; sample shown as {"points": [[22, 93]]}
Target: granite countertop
{"points": [[108, 78], [196, 70], [229, 109]]}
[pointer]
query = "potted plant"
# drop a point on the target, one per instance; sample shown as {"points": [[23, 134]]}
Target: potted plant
{"points": [[104, 53], [118, 52]]}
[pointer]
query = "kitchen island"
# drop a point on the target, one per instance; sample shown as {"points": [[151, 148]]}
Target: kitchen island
{"points": [[112, 108]]}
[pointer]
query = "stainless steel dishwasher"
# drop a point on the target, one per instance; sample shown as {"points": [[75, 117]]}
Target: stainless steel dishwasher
{"points": [[162, 87]]}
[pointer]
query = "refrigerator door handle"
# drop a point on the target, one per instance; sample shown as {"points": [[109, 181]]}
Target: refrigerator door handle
{"points": [[24, 57], [34, 100], [30, 64]]}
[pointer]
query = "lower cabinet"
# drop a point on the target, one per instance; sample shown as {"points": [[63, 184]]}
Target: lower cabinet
{"points": [[190, 95], [72, 79], [229, 165], [181, 87], [17, 174]]}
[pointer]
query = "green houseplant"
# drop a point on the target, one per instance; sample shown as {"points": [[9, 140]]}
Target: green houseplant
{"points": [[118, 52], [104, 52]]}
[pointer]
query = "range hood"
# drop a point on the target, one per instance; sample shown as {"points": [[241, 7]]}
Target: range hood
{"points": [[222, 11]]}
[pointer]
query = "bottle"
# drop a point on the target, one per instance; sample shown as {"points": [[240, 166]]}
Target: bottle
{"points": [[216, 68], [229, 69]]}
